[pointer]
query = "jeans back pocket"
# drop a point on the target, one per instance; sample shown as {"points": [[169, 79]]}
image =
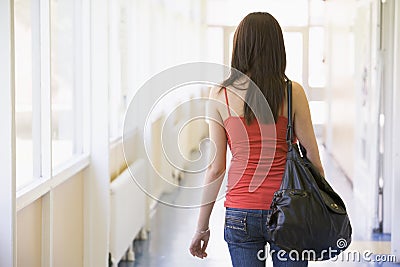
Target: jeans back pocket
{"points": [[235, 226]]}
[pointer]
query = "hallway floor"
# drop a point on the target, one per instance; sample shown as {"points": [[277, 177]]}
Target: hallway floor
{"points": [[172, 228]]}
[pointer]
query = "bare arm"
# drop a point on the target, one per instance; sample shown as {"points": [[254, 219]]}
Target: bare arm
{"points": [[214, 174], [213, 178], [303, 126]]}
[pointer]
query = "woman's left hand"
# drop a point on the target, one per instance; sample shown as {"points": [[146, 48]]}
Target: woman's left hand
{"points": [[199, 244]]}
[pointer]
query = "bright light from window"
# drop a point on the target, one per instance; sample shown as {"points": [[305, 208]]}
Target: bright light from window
{"points": [[231, 46], [65, 88], [318, 112], [231, 12], [317, 12], [294, 55], [215, 45], [23, 92], [316, 57]]}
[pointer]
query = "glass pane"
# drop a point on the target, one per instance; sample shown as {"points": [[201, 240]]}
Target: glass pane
{"points": [[64, 85], [316, 59], [317, 12], [294, 55], [23, 91], [318, 112], [215, 45], [287, 12], [119, 78], [231, 35]]}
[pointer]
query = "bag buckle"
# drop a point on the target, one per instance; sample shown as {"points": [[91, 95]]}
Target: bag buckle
{"points": [[335, 206]]}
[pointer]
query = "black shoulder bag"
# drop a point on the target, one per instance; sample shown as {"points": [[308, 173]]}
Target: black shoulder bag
{"points": [[308, 216]]}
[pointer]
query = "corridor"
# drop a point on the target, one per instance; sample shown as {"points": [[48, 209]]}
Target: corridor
{"points": [[168, 242], [108, 112]]}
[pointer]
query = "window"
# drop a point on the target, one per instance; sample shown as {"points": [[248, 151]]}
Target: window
{"points": [[318, 111], [66, 88], [119, 74], [287, 12], [23, 91], [294, 55], [317, 12], [215, 45], [32, 70], [316, 58]]}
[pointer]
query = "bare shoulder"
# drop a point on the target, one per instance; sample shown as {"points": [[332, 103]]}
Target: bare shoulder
{"points": [[297, 89], [214, 103], [299, 95], [215, 92]]}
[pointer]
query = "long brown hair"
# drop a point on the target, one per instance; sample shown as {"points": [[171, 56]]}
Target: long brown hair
{"points": [[259, 52]]}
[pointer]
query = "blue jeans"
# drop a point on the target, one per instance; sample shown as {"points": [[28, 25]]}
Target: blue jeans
{"points": [[246, 235]]}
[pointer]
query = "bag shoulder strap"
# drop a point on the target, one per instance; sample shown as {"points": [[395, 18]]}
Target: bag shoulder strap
{"points": [[289, 129]]}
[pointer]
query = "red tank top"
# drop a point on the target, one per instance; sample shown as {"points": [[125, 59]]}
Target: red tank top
{"points": [[258, 161]]}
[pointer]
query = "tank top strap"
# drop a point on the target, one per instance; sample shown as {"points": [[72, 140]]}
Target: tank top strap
{"points": [[227, 102]]}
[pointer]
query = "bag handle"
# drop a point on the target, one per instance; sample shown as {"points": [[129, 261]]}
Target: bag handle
{"points": [[289, 129]]}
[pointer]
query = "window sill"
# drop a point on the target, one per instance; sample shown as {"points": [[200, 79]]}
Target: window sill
{"points": [[115, 141], [39, 187]]}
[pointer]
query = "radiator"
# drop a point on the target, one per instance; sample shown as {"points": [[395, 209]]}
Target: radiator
{"points": [[127, 210]]}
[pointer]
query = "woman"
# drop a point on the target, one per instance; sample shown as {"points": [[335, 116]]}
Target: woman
{"points": [[258, 52]]}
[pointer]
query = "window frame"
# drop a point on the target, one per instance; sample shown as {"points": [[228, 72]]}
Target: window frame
{"points": [[8, 253], [45, 177], [315, 94], [303, 31]]}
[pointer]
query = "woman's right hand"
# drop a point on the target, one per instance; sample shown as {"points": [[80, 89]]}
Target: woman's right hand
{"points": [[199, 244]]}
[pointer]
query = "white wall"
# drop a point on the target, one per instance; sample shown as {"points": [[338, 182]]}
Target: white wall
{"points": [[395, 158], [367, 83], [353, 95], [68, 223], [96, 200], [67, 227], [340, 89], [29, 235]]}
